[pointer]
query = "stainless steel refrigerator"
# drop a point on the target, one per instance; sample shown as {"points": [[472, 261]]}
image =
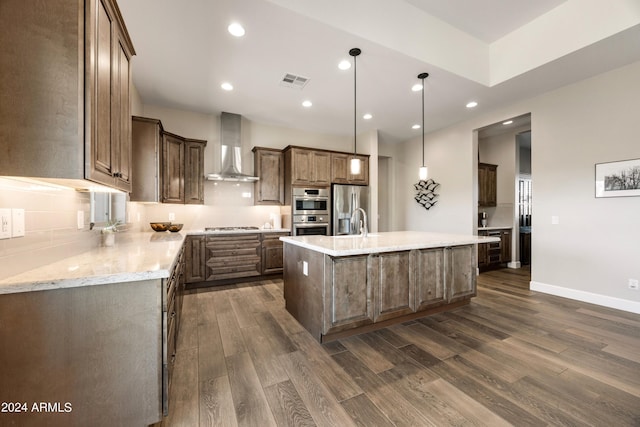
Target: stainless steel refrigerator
{"points": [[346, 199]]}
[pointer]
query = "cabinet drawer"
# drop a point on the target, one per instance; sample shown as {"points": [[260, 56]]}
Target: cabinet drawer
{"points": [[231, 252], [229, 272], [235, 239]]}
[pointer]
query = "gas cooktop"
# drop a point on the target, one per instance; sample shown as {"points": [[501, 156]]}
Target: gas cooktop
{"points": [[229, 228]]}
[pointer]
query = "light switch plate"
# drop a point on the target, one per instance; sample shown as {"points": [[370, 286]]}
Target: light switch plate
{"points": [[305, 268], [17, 222], [555, 220], [5, 223]]}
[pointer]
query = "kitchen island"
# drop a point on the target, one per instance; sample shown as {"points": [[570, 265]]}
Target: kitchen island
{"points": [[337, 286]]}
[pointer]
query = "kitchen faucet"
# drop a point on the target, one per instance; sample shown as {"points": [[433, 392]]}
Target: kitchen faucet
{"points": [[363, 227]]}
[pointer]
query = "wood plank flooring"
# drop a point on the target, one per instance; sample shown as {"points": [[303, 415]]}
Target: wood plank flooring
{"points": [[511, 357]]}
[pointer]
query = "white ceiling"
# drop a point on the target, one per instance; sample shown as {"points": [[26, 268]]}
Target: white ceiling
{"points": [[184, 53]]}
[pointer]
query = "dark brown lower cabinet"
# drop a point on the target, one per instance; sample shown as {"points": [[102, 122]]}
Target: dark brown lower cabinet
{"points": [[224, 257], [494, 254], [195, 268], [339, 296]]}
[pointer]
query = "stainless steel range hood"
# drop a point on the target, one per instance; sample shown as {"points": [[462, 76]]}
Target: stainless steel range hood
{"points": [[231, 155]]}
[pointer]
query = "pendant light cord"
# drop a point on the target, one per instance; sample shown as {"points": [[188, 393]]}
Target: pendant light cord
{"points": [[355, 102], [423, 122], [355, 52]]}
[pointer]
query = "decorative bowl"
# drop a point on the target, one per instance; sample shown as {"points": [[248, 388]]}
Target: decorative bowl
{"points": [[160, 226], [175, 227]]}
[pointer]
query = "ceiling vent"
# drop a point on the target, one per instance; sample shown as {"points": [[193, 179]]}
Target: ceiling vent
{"points": [[293, 81]]}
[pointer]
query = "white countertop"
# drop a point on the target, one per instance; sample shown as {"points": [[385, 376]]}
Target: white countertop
{"points": [[494, 227], [383, 242], [135, 256]]}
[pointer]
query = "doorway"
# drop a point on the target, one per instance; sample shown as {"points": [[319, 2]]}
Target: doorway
{"points": [[506, 147]]}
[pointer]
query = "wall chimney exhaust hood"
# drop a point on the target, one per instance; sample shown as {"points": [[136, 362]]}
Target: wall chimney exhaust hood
{"points": [[231, 155]]}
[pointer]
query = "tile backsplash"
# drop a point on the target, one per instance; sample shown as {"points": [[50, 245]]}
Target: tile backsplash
{"points": [[51, 230]]}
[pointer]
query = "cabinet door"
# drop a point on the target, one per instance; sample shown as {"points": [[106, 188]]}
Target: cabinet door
{"points": [[321, 168], [339, 168], [460, 272], [487, 184], [100, 137], [363, 177], [272, 253], [172, 169], [348, 294], [195, 269], [505, 242], [301, 166], [122, 118], [269, 166], [428, 278], [194, 172], [389, 277]]}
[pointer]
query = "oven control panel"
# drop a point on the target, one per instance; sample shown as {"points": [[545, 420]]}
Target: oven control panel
{"points": [[314, 219]]}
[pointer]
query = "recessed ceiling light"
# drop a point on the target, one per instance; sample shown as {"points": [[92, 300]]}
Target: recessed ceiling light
{"points": [[344, 64], [472, 104], [508, 122], [307, 103], [416, 87], [226, 86], [236, 29], [367, 116], [415, 127]]}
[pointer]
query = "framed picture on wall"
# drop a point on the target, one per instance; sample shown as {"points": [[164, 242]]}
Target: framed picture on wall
{"points": [[618, 179]]}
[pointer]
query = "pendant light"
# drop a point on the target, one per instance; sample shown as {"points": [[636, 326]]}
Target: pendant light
{"points": [[355, 162], [423, 169]]}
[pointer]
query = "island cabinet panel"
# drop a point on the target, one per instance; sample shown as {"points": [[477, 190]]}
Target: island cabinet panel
{"points": [[428, 266], [392, 288], [304, 287], [348, 293], [460, 279], [232, 256]]}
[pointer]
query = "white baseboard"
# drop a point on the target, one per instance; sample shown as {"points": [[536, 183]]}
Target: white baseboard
{"points": [[514, 264], [603, 300]]}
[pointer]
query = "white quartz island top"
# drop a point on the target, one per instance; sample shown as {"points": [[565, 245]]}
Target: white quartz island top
{"points": [[135, 256], [384, 242]]}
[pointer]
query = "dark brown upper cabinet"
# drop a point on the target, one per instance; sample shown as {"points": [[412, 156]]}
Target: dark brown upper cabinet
{"points": [[66, 100]]}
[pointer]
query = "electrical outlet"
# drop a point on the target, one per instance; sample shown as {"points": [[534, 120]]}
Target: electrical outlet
{"points": [[172, 216], [305, 268], [5, 223], [17, 222], [633, 284]]}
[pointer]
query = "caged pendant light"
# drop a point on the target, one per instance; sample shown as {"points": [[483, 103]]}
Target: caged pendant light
{"points": [[423, 173], [355, 162]]}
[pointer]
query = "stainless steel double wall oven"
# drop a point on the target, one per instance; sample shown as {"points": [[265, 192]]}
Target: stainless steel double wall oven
{"points": [[311, 211]]}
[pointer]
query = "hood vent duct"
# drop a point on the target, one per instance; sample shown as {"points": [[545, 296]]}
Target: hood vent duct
{"points": [[231, 150]]}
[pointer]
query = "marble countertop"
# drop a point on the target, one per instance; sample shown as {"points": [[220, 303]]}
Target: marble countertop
{"points": [[135, 256], [383, 242]]}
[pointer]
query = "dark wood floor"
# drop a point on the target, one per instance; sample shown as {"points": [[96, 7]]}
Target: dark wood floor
{"points": [[511, 357]]}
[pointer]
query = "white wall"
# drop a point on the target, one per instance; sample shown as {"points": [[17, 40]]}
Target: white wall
{"points": [[594, 249]]}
